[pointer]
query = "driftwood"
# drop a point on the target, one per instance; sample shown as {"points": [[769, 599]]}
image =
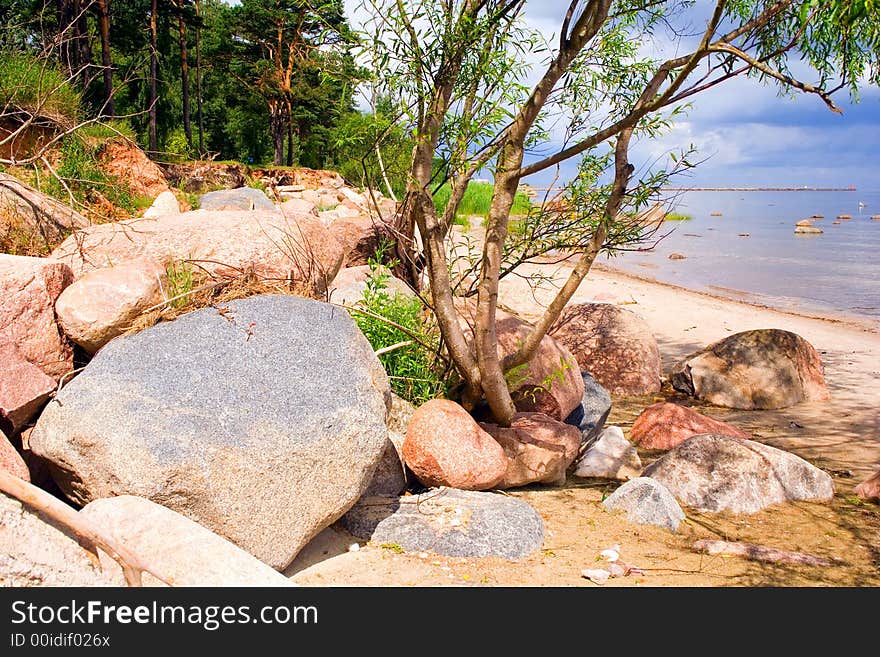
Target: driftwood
{"points": [[759, 553], [87, 534]]}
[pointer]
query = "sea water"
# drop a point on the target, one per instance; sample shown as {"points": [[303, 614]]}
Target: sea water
{"points": [[751, 250]]}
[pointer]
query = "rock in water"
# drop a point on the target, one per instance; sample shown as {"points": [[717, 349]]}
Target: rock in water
{"points": [[538, 449], [445, 446], [720, 473], [242, 198], [451, 522], [34, 552], [595, 406], [666, 425], [611, 457], [29, 288], [869, 489], [646, 502], [808, 230], [183, 550], [613, 344], [760, 369], [262, 420]]}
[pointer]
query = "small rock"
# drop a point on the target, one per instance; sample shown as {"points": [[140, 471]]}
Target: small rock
{"points": [[594, 408], [818, 216], [835, 222], [11, 461], [870, 488], [164, 204], [665, 425], [677, 256], [24, 389], [444, 446], [103, 303], [300, 205], [743, 234], [808, 230], [844, 216], [351, 282], [242, 198], [538, 449], [611, 457], [714, 214], [646, 502], [720, 473], [804, 222], [182, 550], [489, 524]]}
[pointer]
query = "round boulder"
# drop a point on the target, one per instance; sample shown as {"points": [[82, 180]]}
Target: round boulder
{"points": [[262, 420], [613, 344], [444, 446], [720, 473], [760, 369], [666, 425]]}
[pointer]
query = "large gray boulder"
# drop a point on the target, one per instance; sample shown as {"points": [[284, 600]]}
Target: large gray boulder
{"points": [[262, 420], [36, 552], [242, 198], [452, 522], [712, 472], [184, 551], [646, 501]]}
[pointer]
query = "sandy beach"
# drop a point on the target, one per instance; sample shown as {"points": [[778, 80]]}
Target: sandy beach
{"points": [[841, 435]]}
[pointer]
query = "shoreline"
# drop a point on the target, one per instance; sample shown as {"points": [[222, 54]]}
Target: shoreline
{"points": [[746, 298]]}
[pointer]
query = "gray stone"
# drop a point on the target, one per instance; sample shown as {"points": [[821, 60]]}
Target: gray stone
{"points": [[183, 550], [242, 198], [611, 456], [591, 415], [712, 472], [390, 476], [263, 422], [36, 552], [451, 522], [646, 502]]}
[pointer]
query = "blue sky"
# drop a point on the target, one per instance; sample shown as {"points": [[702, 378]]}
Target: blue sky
{"points": [[748, 136]]}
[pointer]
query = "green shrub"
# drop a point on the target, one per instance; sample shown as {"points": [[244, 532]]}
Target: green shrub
{"points": [[181, 282], [412, 369], [477, 200], [36, 86]]}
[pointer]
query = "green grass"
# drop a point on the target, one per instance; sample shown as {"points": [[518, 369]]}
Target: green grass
{"points": [[180, 282], [36, 86], [675, 216], [477, 200]]}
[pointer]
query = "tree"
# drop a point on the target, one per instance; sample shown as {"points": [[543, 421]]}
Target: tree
{"points": [[279, 42], [459, 68]]}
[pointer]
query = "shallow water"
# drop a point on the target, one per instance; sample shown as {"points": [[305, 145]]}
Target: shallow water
{"points": [[835, 273]]}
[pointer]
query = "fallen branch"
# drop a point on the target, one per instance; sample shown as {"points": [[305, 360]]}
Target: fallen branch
{"points": [[394, 347], [88, 535], [759, 553]]}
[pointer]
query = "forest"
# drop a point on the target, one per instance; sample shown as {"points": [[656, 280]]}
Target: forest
{"points": [[258, 82]]}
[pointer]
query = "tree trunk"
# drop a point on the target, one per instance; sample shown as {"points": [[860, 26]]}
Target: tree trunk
{"points": [[278, 130], [84, 52], [154, 61], [199, 79], [289, 141], [184, 73], [103, 8]]}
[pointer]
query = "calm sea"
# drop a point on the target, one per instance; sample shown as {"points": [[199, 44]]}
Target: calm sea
{"points": [[835, 273]]}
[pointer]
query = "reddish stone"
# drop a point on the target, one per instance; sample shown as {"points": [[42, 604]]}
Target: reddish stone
{"points": [[760, 369], [123, 159], [29, 288], [24, 388], [665, 425], [869, 489], [360, 237], [537, 447], [444, 446], [11, 461], [613, 344]]}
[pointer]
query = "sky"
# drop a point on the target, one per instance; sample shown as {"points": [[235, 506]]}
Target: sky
{"points": [[746, 135]]}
